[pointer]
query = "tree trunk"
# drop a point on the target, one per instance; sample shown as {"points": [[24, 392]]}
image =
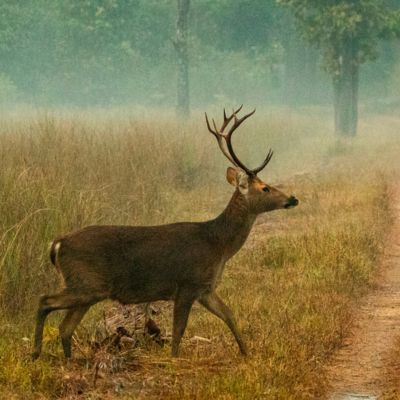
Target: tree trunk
{"points": [[345, 85], [181, 47]]}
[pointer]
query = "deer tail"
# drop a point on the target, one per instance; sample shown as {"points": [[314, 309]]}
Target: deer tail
{"points": [[55, 247]]}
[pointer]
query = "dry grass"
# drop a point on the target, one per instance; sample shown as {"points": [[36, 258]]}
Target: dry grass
{"points": [[292, 287]]}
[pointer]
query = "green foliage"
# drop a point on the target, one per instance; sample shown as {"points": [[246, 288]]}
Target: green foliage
{"points": [[246, 25], [85, 52], [108, 51], [329, 25]]}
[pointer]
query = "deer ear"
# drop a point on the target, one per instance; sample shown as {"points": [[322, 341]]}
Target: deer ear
{"points": [[231, 174], [238, 178], [242, 182]]}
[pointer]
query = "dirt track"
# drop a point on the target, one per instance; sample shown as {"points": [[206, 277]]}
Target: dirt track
{"points": [[357, 369]]}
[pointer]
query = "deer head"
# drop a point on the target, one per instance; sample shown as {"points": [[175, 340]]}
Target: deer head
{"points": [[260, 197]]}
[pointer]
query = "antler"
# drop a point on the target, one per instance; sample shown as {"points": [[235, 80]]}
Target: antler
{"points": [[228, 150], [265, 162]]}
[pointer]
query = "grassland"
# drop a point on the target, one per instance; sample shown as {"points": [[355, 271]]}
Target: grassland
{"points": [[293, 287]]}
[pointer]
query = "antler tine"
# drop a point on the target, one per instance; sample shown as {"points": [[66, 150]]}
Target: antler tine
{"points": [[236, 124], [208, 123], [226, 121], [229, 119], [235, 112], [219, 137], [239, 121], [215, 133], [215, 127], [264, 164], [226, 146]]}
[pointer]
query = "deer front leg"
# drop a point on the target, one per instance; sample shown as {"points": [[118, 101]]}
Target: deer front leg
{"points": [[215, 305], [183, 304]]}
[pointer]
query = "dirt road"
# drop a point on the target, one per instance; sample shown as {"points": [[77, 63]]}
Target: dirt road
{"points": [[357, 369]]}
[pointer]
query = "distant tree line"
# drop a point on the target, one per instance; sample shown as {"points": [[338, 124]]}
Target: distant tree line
{"points": [[348, 33], [102, 52]]}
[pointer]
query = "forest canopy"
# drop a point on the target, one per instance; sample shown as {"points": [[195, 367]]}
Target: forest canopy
{"points": [[112, 52]]}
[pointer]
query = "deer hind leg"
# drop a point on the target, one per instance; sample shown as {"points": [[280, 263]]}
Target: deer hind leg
{"points": [[183, 304], [65, 300], [215, 305], [68, 326]]}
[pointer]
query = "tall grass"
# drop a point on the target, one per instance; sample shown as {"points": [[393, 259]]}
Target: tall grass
{"points": [[292, 288]]}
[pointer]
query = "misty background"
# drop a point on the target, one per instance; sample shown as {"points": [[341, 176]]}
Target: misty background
{"points": [[89, 53], [102, 123]]}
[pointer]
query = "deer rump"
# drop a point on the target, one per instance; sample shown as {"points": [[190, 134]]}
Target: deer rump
{"points": [[137, 264]]}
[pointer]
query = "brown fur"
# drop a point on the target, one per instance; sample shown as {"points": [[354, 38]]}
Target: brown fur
{"points": [[182, 262]]}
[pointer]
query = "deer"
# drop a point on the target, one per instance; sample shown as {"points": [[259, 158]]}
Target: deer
{"points": [[181, 262]]}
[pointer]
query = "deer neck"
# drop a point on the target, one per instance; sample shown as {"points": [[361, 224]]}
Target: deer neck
{"points": [[233, 225]]}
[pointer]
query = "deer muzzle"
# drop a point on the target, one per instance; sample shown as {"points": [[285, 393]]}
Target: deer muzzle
{"points": [[291, 202]]}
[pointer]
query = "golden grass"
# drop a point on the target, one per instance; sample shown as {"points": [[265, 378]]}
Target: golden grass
{"points": [[292, 287]]}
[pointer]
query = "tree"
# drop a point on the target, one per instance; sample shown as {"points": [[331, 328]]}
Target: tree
{"points": [[347, 32], [181, 48]]}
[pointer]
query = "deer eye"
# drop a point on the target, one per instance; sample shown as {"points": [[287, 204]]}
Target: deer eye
{"points": [[265, 189]]}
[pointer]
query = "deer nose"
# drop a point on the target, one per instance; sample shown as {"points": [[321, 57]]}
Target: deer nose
{"points": [[291, 202]]}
